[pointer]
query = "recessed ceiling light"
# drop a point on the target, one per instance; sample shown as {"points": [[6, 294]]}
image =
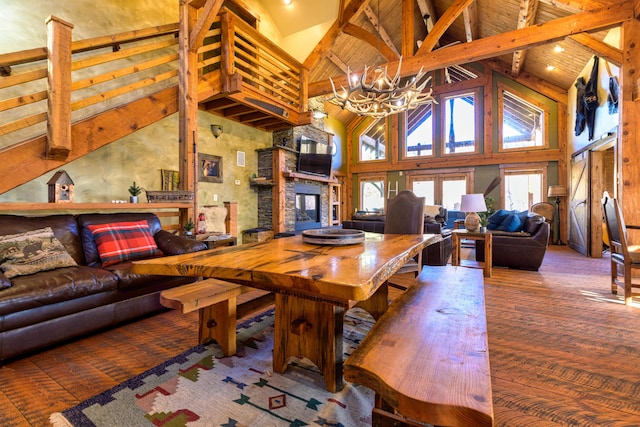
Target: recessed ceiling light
{"points": [[287, 2], [550, 67], [558, 49]]}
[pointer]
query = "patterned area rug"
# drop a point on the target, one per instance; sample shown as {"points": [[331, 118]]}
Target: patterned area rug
{"points": [[202, 388]]}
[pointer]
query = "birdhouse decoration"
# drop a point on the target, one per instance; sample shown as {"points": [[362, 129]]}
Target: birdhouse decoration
{"points": [[60, 188]]}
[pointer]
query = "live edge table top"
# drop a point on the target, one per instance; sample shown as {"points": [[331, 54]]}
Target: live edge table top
{"points": [[289, 265]]}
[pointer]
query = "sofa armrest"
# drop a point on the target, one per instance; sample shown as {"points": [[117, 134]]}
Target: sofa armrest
{"points": [[171, 244]]}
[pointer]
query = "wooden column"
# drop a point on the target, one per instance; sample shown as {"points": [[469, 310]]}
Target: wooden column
{"points": [[59, 91], [628, 180], [188, 108], [231, 221]]}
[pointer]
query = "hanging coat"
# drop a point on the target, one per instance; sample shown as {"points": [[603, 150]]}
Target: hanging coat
{"points": [[581, 110], [591, 97]]}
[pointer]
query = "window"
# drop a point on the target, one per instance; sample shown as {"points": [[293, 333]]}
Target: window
{"points": [[523, 186], [459, 123], [419, 132], [523, 123], [372, 193], [373, 142], [443, 188]]}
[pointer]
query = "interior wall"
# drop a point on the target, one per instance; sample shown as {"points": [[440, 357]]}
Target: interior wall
{"points": [[604, 122]]}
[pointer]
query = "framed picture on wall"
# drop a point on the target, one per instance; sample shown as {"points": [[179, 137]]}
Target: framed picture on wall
{"points": [[209, 168]]}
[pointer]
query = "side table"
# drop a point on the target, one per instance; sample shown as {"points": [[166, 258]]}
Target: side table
{"points": [[459, 234]]}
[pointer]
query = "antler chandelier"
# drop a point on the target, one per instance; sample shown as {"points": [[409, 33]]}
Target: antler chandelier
{"points": [[381, 95]]}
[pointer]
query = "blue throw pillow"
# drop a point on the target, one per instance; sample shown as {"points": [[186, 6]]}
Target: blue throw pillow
{"points": [[496, 219], [510, 223], [523, 217]]}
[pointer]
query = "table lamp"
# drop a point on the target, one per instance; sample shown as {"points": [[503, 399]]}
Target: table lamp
{"points": [[557, 191], [472, 204]]}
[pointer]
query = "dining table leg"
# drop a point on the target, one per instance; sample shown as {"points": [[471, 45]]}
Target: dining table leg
{"points": [[309, 328]]}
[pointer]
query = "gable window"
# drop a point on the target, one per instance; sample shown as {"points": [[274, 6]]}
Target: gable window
{"points": [[523, 185], [419, 132], [523, 122], [460, 122], [373, 142]]}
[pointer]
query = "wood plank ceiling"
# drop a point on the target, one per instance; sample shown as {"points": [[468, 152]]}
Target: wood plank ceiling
{"points": [[437, 25]]}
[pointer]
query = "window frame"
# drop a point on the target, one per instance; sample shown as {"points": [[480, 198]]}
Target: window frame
{"points": [[368, 124], [439, 176], [434, 117], [523, 168], [501, 88], [443, 98], [368, 177]]}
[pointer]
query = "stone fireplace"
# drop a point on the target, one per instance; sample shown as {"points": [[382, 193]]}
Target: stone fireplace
{"points": [[308, 213], [289, 201]]}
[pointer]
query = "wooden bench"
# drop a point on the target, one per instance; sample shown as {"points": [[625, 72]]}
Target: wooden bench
{"points": [[219, 304], [427, 357]]}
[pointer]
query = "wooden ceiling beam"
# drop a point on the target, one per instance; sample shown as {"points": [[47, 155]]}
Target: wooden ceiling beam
{"points": [[442, 24], [577, 6], [202, 25], [528, 80], [603, 50], [526, 18], [426, 8], [470, 17], [372, 40], [384, 35], [505, 43], [353, 9], [408, 28], [331, 56]]}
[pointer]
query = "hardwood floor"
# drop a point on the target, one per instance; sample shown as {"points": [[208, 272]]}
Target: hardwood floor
{"points": [[564, 351]]}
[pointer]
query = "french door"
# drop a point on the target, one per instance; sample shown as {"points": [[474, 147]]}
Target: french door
{"points": [[444, 189]]}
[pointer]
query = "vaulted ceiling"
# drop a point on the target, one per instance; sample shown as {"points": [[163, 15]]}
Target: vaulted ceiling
{"points": [[518, 38]]}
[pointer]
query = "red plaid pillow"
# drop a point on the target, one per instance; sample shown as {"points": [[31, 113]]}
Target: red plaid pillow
{"points": [[122, 241]]}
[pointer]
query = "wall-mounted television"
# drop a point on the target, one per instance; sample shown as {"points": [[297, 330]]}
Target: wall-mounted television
{"points": [[314, 157]]}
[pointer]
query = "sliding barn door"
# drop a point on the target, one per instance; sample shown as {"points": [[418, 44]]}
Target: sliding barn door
{"points": [[579, 204]]}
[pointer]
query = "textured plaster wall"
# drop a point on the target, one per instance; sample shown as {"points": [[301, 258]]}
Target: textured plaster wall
{"points": [[105, 174]]}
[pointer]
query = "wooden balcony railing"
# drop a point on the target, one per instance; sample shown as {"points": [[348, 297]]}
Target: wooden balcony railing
{"points": [[103, 72]]}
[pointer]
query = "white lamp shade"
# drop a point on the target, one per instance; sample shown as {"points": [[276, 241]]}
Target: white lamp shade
{"points": [[473, 203]]}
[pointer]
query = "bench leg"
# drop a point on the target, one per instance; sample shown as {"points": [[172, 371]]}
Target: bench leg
{"points": [[218, 322], [312, 329]]}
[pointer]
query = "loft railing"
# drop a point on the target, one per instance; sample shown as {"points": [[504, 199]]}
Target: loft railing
{"points": [[232, 46], [103, 72]]}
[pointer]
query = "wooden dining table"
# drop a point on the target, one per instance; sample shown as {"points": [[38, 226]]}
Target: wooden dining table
{"points": [[314, 285]]}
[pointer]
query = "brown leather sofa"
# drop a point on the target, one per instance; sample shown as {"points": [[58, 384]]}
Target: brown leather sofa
{"points": [[48, 307], [435, 254], [522, 250]]}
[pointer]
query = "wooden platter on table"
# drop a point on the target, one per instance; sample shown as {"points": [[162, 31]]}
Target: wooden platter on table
{"points": [[333, 236]]}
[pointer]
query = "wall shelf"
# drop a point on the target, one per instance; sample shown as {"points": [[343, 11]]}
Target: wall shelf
{"points": [[89, 207]]}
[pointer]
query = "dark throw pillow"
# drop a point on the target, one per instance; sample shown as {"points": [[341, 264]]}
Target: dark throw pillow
{"points": [[31, 252], [124, 241]]}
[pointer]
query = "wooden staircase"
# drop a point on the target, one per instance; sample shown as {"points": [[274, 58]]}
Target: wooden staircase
{"points": [[64, 101]]}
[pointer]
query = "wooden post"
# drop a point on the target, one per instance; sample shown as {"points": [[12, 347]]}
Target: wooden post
{"points": [[188, 108], [231, 221], [628, 159], [227, 65], [59, 91]]}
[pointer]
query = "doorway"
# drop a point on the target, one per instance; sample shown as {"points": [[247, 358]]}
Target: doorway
{"points": [[593, 171]]}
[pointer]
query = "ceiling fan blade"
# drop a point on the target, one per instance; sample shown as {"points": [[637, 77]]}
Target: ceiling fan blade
{"points": [[492, 186]]}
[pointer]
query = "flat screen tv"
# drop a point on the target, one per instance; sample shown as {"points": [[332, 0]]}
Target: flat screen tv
{"points": [[314, 158]]}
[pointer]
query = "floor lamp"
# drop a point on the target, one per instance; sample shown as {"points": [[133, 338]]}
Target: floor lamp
{"points": [[557, 191]]}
